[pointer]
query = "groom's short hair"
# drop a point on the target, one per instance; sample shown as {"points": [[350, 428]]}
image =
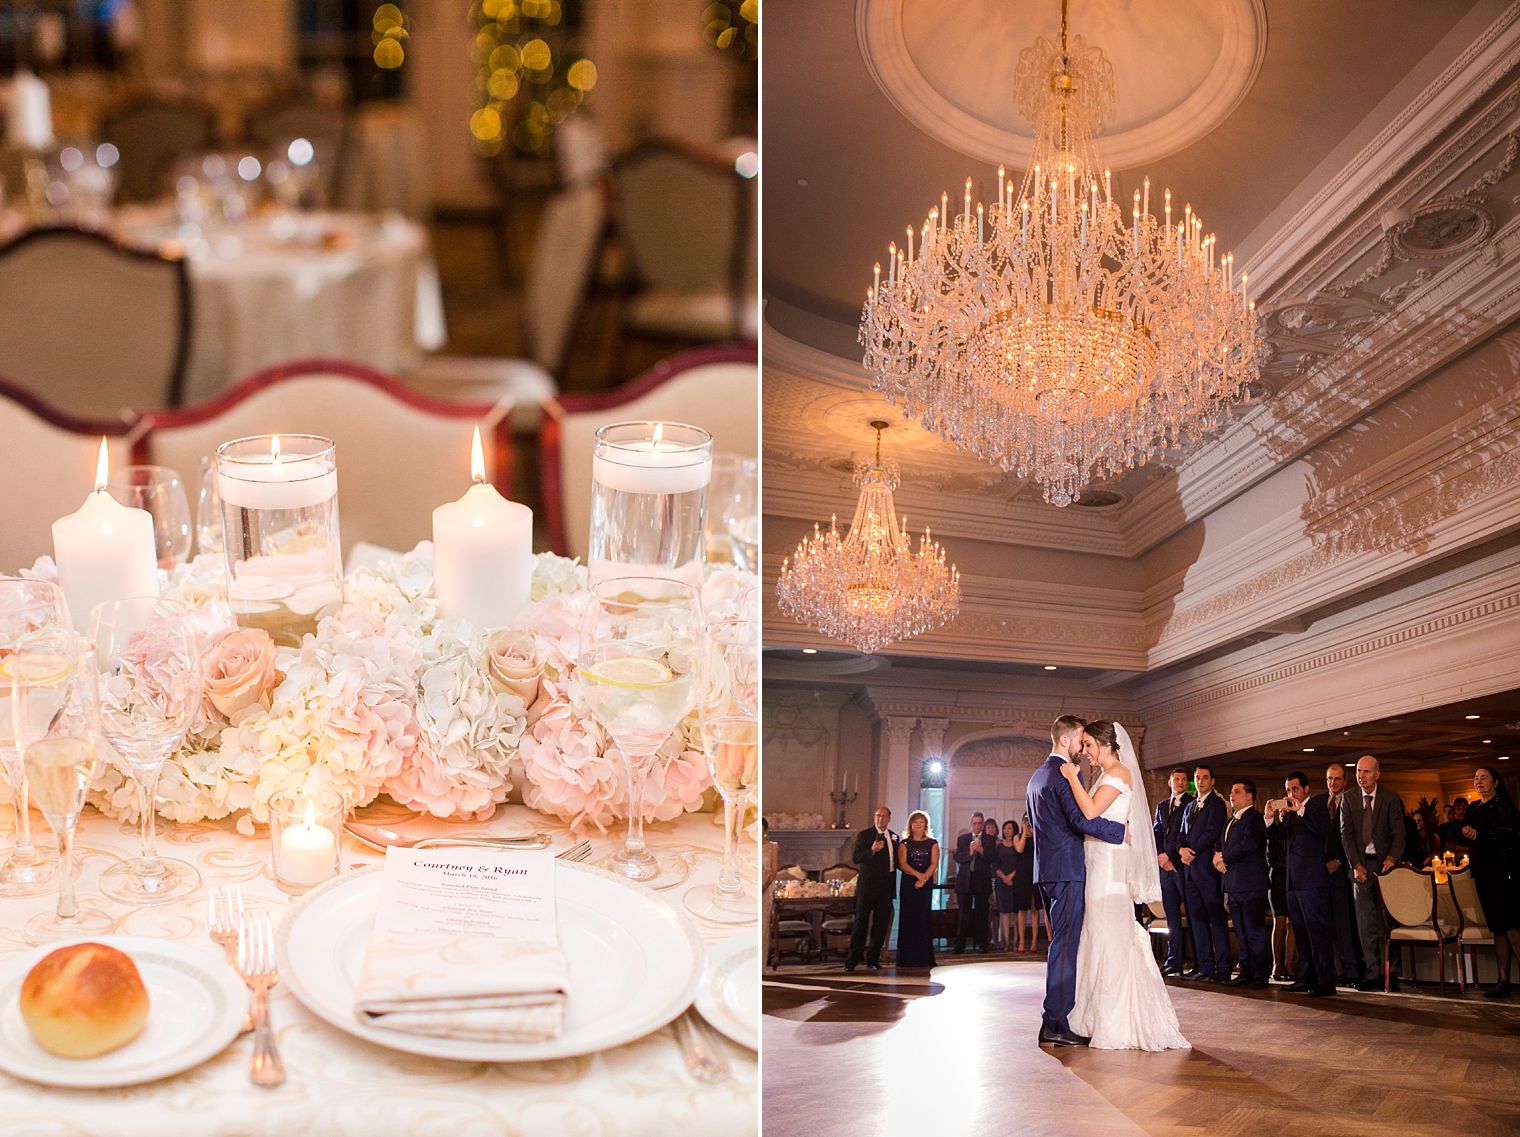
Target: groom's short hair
{"points": [[1248, 785], [1183, 770], [1064, 726]]}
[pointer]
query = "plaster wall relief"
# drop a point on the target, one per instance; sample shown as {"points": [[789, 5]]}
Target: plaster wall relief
{"points": [[799, 737], [1449, 636]]}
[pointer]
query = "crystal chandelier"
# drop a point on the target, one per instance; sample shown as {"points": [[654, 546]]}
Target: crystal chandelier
{"points": [[1049, 333], [870, 588]]}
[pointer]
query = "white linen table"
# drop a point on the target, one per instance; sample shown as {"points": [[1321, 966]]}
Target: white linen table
{"points": [[340, 1086], [288, 286]]}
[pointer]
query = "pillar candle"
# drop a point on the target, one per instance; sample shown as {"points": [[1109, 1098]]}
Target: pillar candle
{"points": [[482, 552], [105, 551]]}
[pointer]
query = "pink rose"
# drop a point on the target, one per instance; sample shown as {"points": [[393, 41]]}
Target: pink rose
{"points": [[240, 670], [512, 664]]}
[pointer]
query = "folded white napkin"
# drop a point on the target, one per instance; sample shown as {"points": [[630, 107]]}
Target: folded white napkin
{"points": [[465, 945]]}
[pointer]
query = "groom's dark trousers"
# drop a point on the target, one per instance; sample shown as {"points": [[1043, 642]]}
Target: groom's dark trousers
{"points": [[1060, 869]]}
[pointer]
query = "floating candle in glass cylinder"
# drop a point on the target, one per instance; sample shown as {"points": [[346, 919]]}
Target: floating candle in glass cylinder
{"points": [[104, 550], [304, 827], [482, 552], [280, 519], [648, 491]]}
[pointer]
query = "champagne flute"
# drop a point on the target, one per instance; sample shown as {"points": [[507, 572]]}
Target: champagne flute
{"points": [[55, 707], [731, 741], [741, 515], [638, 665], [159, 491], [151, 693], [26, 606]]}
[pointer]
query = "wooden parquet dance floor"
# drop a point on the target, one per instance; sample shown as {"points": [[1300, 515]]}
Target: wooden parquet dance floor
{"points": [[953, 1051]]}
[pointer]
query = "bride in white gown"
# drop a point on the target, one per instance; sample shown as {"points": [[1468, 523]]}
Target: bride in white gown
{"points": [[1122, 1002]]}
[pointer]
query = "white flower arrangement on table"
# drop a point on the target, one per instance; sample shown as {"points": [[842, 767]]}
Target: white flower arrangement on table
{"points": [[388, 697]]}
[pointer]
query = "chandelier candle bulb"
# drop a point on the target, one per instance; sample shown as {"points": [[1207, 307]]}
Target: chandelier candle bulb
{"points": [[978, 223], [1145, 204], [482, 552], [104, 550]]}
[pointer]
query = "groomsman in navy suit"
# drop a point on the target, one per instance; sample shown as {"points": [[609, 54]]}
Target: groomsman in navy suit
{"points": [[1168, 829], [1060, 870], [1242, 858], [1307, 820], [1202, 826]]}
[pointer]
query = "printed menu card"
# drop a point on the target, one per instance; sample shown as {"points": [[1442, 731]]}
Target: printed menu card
{"points": [[466, 945]]}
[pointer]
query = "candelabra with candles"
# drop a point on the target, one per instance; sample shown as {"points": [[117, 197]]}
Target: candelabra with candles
{"points": [[843, 799]]}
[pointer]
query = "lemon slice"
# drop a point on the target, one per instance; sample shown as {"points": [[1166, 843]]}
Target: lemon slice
{"points": [[35, 667], [635, 672]]}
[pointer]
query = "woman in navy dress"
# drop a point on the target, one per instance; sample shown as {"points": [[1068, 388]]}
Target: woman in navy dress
{"points": [[918, 858]]}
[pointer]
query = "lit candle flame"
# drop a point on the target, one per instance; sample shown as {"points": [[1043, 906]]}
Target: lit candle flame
{"points": [[477, 460], [659, 428], [274, 452], [311, 814], [102, 465]]}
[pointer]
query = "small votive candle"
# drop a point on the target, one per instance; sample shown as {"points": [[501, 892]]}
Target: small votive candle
{"points": [[304, 831]]}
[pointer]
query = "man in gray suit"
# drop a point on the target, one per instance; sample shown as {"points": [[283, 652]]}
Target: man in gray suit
{"points": [[1372, 833]]}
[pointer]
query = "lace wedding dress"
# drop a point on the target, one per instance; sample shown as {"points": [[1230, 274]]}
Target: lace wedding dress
{"points": [[1122, 1002]]}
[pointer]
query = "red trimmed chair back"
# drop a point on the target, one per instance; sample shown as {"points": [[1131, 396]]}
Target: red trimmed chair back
{"points": [[400, 454], [716, 388], [47, 464]]}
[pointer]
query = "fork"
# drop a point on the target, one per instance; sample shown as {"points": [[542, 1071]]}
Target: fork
{"points": [[225, 913], [255, 962], [576, 852], [706, 1064]]}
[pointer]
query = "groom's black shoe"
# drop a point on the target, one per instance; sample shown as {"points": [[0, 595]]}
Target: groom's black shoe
{"points": [[1191, 973], [1050, 1037], [1171, 969], [1240, 980], [1297, 988]]}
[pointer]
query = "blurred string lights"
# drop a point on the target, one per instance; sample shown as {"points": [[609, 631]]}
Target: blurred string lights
{"points": [[529, 76], [734, 28], [389, 35]]}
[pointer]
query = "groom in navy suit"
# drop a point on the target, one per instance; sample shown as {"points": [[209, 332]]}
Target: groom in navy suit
{"points": [[1060, 870]]}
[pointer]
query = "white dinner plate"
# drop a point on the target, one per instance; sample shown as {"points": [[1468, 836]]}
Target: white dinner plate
{"points": [[196, 1005], [634, 962], [729, 996]]}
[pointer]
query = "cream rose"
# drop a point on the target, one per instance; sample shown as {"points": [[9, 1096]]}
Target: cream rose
{"points": [[512, 664], [240, 670]]}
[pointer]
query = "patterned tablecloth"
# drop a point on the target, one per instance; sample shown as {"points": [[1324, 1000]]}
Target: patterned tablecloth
{"points": [[340, 1085]]}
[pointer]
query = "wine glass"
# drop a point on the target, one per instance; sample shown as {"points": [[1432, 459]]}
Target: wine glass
{"points": [[55, 709], [26, 606], [731, 740], [208, 510], [741, 515], [639, 664], [150, 694], [159, 491]]}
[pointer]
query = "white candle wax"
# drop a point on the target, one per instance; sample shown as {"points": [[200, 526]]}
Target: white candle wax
{"points": [[651, 466], [105, 551], [29, 117], [291, 483], [306, 853], [482, 556]]}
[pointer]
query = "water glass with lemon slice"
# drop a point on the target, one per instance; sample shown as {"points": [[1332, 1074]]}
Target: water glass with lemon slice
{"points": [[639, 666], [26, 606]]}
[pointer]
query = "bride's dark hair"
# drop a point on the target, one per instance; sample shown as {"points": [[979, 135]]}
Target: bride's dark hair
{"points": [[1104, 734]]}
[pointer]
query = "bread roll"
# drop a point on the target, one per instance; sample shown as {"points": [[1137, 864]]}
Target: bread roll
{"points": [[84, 1000]]}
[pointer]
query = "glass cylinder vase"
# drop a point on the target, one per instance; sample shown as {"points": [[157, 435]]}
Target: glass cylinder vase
{"points": [[305, 834], [648, 492], [279, 499]]}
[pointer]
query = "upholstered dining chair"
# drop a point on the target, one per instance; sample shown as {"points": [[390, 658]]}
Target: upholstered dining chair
{"points": [[1474, 929], [91, 325], [47, 464], [686, 219], [400, 455], [1420, 914], [715, 388], [152, 134], [570, 235]]}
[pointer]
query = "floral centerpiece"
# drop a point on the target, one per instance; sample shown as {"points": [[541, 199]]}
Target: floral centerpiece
{"points": [[389, 697]]}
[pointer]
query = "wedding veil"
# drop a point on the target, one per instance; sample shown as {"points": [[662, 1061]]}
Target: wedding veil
{"points": [[1142, 874]]}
